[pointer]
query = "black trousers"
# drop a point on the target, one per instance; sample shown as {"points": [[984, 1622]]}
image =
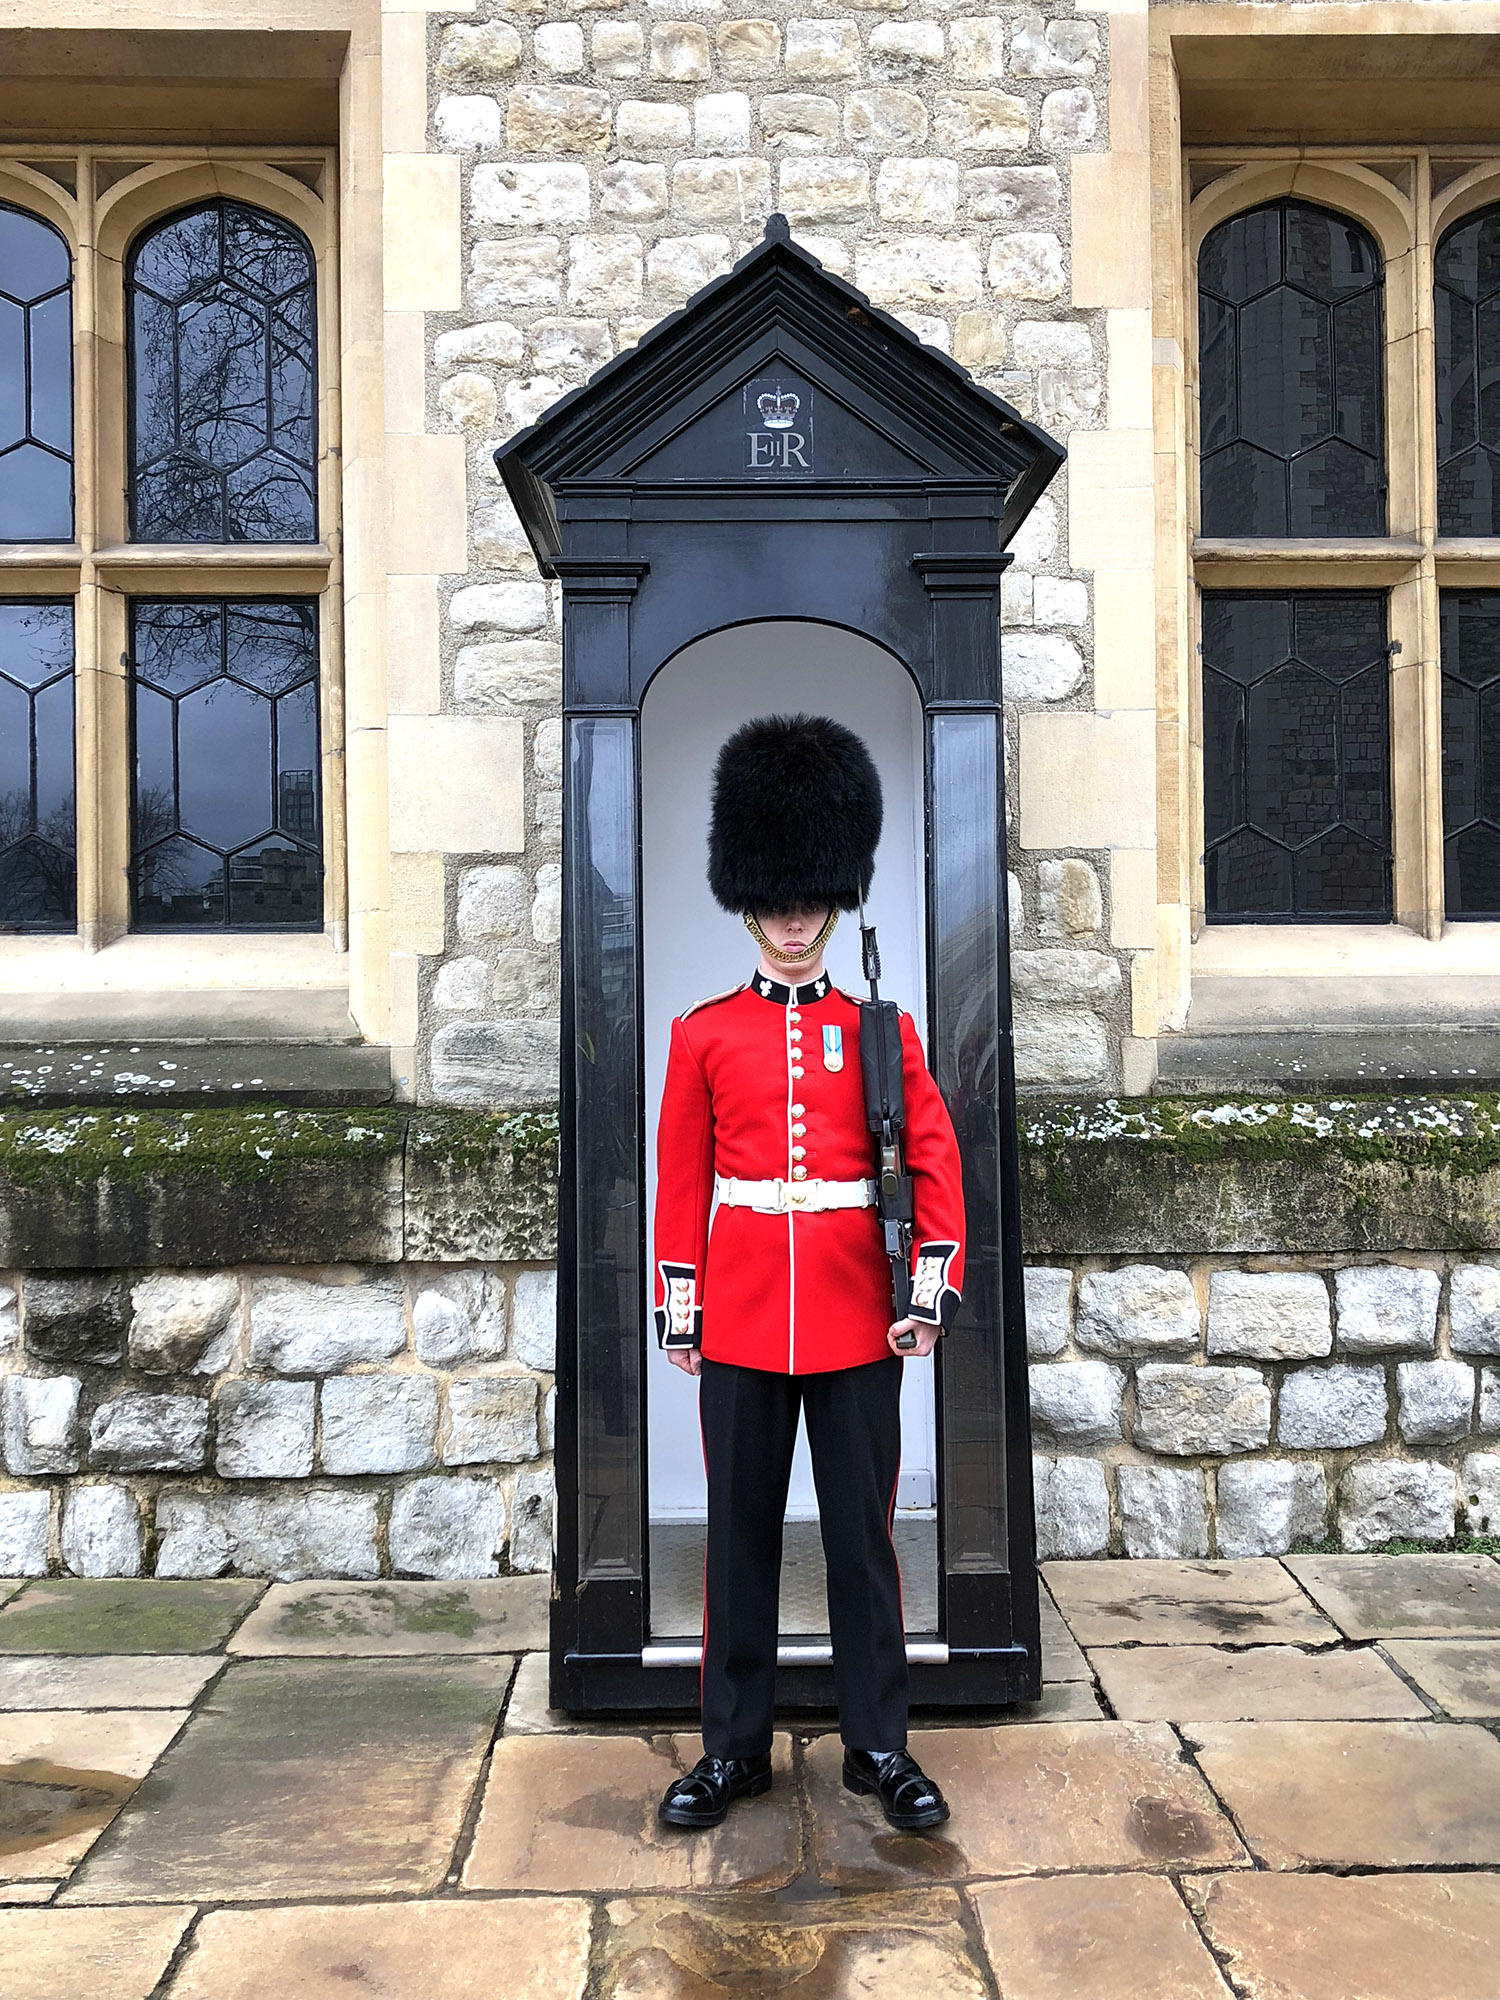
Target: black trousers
{"points": [[749, 1421]]}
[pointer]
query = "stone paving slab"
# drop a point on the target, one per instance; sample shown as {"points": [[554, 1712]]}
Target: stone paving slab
{"points": [[1404, 1597], [64, 1776], [1377, 1937], [17, 1893], [578, 1814], [1250, 1603], [9, 1590], [84, 1615], [307, 1779], [1062, 1656], [1258, 1683], [1461, 1675], [505, 1614], [533, 1946], [87, 1954], [895, 1947], [1357, 1794], [1094, 1937], [105, 1680], [1114, 1795]]}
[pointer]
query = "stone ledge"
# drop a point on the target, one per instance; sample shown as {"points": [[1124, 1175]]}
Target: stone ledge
{"points": [[265, 1184]]}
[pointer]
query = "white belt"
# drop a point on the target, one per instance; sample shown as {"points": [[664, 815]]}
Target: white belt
{"points": [[783, 1197]]}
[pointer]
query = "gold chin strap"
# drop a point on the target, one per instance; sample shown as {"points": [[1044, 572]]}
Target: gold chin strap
{"points": [[794, 957]]}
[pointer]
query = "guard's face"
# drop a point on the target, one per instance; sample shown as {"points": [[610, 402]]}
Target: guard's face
{"points": [[792, 931]]}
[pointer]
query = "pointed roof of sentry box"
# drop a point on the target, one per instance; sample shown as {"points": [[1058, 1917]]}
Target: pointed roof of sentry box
{"points": [[895, 411]]}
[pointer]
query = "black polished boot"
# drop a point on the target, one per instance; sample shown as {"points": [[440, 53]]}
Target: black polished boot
{"points": [[908, 1797], [704, 1795]]}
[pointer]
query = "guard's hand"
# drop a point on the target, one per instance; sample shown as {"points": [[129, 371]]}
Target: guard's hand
{"points": [[688, 1359], [927, 1338]]}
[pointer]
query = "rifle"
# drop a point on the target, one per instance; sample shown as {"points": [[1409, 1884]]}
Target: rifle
{"points": [[885, 1113]]}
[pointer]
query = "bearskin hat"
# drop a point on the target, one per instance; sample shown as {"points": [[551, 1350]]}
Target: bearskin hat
{"points": [[796, 816]]}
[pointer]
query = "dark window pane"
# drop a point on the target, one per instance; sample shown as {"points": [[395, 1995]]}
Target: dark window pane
{"points": [[36, 381], [1466, 330], [1296, 756], [1291, 366], [223, 372], [38, 872], [228, 822], [1470, 638]]}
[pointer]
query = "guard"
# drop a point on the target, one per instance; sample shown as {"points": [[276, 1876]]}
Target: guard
{"points": [[784, 1303]]}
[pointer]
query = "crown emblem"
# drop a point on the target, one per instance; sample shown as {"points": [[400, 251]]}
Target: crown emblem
{"points": [[779, 409]]}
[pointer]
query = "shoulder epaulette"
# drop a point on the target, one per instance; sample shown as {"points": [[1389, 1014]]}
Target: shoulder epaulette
{"points": [[712, 1000]]}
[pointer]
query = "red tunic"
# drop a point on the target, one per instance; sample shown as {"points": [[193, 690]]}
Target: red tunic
{"points": [[764, 1085]]}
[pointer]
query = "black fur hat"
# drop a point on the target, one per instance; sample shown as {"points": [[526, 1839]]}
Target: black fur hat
{"points": [[796, 816]]}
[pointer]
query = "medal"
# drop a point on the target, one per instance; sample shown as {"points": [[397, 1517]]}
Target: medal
{"points": [[833, 1048]]}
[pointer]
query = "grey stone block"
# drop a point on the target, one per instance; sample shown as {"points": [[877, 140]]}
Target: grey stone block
{"points": [[40, 1424], [491, 1063], [1183, 1410], [1163, 1511], [379, 1423], [143, 1433], [1435, 1401], [10, 1320], [1387, 1499], [1386, 1309], [1479, 1493], [303, 1531], [531, 1520], [1269, 1315], [1072, 1508], [101, 1531], [491, 1420], [1142, 1309], [1332, 1409], [1489, 1402], [533, 1320], [1076, 1401], [75, 1321], [265, 1430], [459, 1316], [23, 1533], [1474, 1309], [301, 1327], [1266, 1504], [448, 1528], [1049, 1310], [182, 1321]]}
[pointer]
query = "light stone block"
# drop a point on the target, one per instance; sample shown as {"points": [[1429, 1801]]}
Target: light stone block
{"points": [[479, 54], [1139, 1309], [499, 542], [459, 1316], [617, 49], [1012, 194], [495, 340], [1060, 1046], [534, 1319], [1183, 1411], [428, 534], [1059, 47], [524, 982], [749, 48], [447, 1528], [557, 118], [1017, 590], [1070, 905], [1332, 1409], [721, 122], [904, 51], [919, 270], [546, 750], [1111, 503], [422, 263], [531, 1522], [1087, 780], [824, 190], [299, 1326], [492, 903], [680, 52], [604, 272], [1063, 343], [722, 190], [1072, 1508], [929, 328], [1069, 117], [1035, 541], [527, 400], [1066, 398], [1474, 1309], [101, 1532], [559, 48], [980, 342], [514, 606], [379, 1423], [980, 121], [1163, 1511], [265, 1430], [797, 123], [678, 266], [923, 191], [1041, 667], [633, 191], [417, 918], [1125, 649], [1065, 977], [1269, 1315], [146, 1433], [469, 401], [40, 1424], [1489, 1402], [1267, 1504], [1386, 1309], [1049, 1310], [1132, 888], [466, 123], [23, 1533], [1111, 229], [1077, 1402], [1435, 1401], [456, 784], [977, 48], [546, 904], [492, 1419], [1479, 1493], [821, 51], [10, 1320], [486, 1065], [830, 252], [504, 675], [1391, 1499], [283, 1534], [521, 194], [1027, 265], [643, 127], [569, 346], [523, 272], [881, 119]]}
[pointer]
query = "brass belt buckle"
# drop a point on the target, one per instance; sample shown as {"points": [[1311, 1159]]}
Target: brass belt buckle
{"points": [[796, 1193]]}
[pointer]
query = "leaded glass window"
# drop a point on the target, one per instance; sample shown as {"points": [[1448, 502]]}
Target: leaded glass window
{"points": [[227, 807], [1470, 628], [38, 871], [36, 381], [1466, 333], [1291, 365], [223, 367], [1296, 756]]}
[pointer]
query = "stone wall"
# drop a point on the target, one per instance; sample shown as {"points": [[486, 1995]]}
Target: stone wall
{"points": [[392, 1421], [1236, 1407]]}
